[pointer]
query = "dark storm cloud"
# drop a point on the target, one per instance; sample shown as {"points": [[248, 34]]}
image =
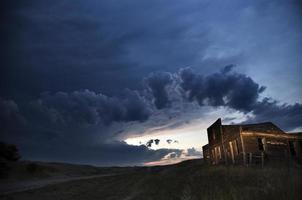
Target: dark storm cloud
{"points": [[82, 117], [288, 117], [9, 111], [67, 46], [10, 116], [71, 127], [84, 121], [107, 46], [60, 46], [72, 45], [157, 83], [116, 153], [150, 142], [169, 141], [234, 90], [88, 107], [227, 69], [241, 93]]}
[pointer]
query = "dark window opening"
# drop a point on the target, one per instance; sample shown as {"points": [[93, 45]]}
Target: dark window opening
{"points": [[292, 148], [260, 144]]}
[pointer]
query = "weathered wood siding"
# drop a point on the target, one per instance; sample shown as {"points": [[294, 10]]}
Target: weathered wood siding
{"points": [[251, 143], [274, 146], [214, 133], [232, 144], [215, 142]]}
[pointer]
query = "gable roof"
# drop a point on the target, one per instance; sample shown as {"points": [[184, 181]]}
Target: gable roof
{"points": [[266, 127]]}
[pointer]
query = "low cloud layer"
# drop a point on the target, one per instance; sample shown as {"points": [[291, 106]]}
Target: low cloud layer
{"points": [[193, 152], [88, 107], [177, 156], [110, 154], [88, 123]]}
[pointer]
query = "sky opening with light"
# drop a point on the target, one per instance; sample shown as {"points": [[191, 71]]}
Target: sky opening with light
{"points": [[137, 82]]}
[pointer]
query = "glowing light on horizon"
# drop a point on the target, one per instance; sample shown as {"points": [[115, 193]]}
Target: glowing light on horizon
{"points": [[187, 136], [167, 160], [192, 134]]}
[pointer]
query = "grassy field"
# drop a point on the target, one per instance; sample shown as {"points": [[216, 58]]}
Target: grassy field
{"points": [[190, 180], [34, 170]]}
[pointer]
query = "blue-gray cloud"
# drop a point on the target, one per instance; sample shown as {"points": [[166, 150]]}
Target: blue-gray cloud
{"points": [[286, 116], [157, 83], [226, 88], [11, 120], [68, 46], [241, 93], [107, 46], [84, 119], [193, 152], [92, 108], [116, 153]]}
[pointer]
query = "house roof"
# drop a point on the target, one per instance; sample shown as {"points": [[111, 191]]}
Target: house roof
{"points": [[265, 127], [296, 133]]}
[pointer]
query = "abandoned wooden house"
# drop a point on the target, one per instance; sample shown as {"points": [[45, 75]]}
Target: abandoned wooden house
{"points": [[251, 144]]}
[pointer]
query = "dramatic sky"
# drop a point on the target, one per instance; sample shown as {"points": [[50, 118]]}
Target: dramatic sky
{"points": [[137, 82]]}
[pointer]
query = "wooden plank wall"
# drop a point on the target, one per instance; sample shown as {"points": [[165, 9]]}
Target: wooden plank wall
{"points": [[229, 146], [231, 135], [275, 149]]}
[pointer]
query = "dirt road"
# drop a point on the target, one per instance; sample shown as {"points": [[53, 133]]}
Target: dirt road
{"points": [[12, 187]]}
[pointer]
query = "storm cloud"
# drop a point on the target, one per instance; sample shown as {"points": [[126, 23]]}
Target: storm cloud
{"points": [[288, 117], [11, 120], [65, 67], [157, 83], [225, 88], [9, 113], [105, 46], [75, 122], [241, 93], [86, 121], [111, 154], [88, 107], [150, 142]]}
